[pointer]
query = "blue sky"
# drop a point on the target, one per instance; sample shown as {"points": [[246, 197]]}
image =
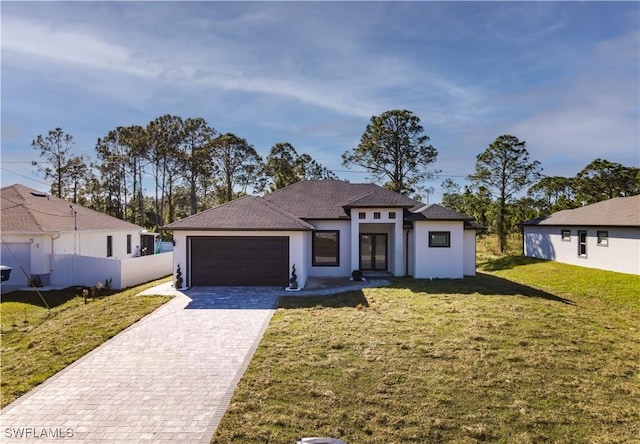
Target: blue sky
{"points": [[563, 76]]}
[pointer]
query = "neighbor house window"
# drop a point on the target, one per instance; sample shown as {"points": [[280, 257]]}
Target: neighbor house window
{"points": [[362, 215], [109, 246], [376, 215], [582, 244], [325, 248], [439, 239], [128, 244], [392, 214], [603, 238], [566, 235]]}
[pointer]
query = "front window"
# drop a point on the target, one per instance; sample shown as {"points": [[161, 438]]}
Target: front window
{"points": [[603, 238], [439, 239], [325, 248]]}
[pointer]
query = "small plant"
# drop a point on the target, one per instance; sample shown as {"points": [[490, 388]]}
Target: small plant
{"points": [[107, 283], [35, 282], [356, 275], [293, 282], [178, 283]]}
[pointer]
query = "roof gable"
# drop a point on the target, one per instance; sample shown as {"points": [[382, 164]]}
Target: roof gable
{"points": [[245, 213], [436, 212], [26, 210], [619, 211]]}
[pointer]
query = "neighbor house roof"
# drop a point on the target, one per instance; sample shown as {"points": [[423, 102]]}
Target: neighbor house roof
{"points": [[25, 210], [619, 211], [246, 213], [296, 207]]}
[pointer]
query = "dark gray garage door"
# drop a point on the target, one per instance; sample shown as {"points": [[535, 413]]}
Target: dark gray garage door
{"points": [[239, 261]]}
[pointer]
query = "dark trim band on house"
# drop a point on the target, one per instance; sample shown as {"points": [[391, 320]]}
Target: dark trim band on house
{"points": [[325, 248], [439, 239]]}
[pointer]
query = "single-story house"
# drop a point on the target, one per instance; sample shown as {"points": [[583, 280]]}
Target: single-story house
{"points": [[58, 243], [603, 235], [323, 228]]}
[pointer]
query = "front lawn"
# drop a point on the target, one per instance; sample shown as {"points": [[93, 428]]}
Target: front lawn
{"points": [[37, 344], [480, 359]]}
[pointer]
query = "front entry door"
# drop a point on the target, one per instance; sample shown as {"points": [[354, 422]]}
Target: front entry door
{"points": [[373, 252]]}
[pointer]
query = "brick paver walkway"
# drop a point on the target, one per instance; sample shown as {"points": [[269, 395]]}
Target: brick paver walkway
{"points": [[168, 378]]}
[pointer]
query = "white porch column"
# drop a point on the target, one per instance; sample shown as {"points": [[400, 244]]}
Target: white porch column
{"points": [[399, 246], [355, 241]]}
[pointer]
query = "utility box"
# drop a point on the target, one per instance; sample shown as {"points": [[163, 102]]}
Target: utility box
{"points": [[5, 272]]}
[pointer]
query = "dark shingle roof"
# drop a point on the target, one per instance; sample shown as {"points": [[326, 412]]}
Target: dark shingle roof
{"points": [[25, 210], [436, 212], [328, 199], [246, 213], [289, 208], [620, 211]]}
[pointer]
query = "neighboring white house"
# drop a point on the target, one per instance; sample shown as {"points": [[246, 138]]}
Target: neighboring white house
{"points": [[60, 244], [323, 228], [603, 235]]}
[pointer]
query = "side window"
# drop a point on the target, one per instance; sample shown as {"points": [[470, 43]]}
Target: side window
{"points": [[582, 244], [439, 239], [128, 244], [603, 238], [566, 235], [109, 246]]}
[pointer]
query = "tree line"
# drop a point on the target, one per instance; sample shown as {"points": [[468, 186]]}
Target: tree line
{"points": [[192, 167]]}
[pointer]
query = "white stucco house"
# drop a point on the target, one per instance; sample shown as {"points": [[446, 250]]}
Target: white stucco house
{"points": [[603, 235], [60, 244], [323, 228]]}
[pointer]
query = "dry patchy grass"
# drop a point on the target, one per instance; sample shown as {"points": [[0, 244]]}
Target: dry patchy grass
{"points": [[37, 344], [482, 359]]}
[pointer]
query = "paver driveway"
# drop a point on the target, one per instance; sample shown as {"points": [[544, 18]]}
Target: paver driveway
{"points": [[167, 378]]}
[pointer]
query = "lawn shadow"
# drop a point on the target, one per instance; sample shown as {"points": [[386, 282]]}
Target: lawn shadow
{"points": [[508, 262], [352, 298], [54, 298], [484, 284]]}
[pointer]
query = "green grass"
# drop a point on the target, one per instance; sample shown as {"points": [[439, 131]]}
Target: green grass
{"points": [[484, 359], [37, 344]]}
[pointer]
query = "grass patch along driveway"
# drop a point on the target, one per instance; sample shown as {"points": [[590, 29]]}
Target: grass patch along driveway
{"points": [[36, 344], [479, 359]]}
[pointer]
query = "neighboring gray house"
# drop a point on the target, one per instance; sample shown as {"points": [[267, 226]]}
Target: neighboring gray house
{"points": [[59, 243], [603, 235], [324, 228]]}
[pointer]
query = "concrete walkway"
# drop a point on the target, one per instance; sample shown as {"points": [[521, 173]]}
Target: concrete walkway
{"points": [[168, 378]]}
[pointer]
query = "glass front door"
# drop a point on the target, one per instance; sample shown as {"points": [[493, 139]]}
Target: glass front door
{"points": [[373, 252]]}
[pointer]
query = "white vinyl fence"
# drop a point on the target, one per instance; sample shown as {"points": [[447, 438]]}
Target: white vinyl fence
{"points": [[70, 269]]}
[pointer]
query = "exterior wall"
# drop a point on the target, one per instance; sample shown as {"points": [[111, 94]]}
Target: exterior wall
{"points": [[438, 262], [469, 252], [344, 226], [71, 269], [393, 227], [297, 250], [622, 254], [94, 243]]}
